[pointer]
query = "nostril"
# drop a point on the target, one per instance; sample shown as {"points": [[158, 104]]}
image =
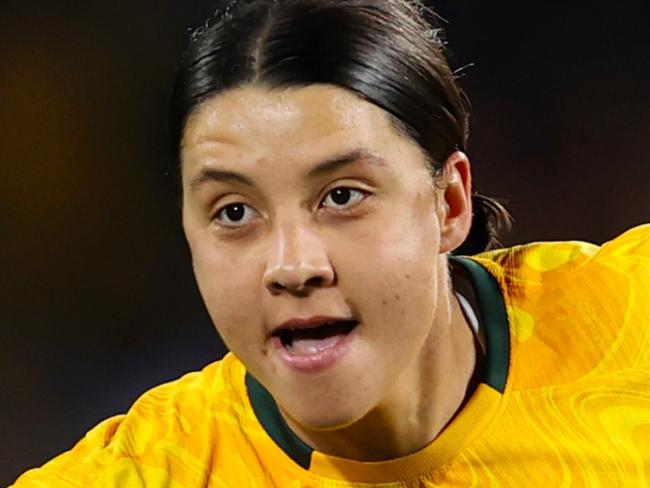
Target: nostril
{"points": [[300, 288], [314, 282], [276, 287]]}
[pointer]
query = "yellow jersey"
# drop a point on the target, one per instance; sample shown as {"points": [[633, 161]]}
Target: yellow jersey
{"points": [[564, 398]]}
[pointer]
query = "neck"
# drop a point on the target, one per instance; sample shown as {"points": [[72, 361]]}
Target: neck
{"points": [[423, 400]]}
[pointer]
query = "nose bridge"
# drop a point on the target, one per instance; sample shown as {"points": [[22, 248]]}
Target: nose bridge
{"points": [[296, 257]]}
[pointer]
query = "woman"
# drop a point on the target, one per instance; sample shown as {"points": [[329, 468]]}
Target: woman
{"points": [[325, 187]]}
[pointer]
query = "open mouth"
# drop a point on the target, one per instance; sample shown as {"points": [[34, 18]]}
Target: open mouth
{"points": [[313, 340]]}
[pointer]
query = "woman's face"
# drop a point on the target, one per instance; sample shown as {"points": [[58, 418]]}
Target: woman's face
{"points": [[303, 206]]}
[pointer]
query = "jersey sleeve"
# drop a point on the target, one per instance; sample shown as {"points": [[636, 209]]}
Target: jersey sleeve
{"points": [[633, 244], [576, 310], [79, 467], [627, 259], [168, 438]]}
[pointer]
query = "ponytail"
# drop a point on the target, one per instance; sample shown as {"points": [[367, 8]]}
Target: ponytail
{"points": [[489, 220]]}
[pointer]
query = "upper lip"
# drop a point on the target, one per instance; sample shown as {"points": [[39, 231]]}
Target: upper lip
{"points": [[308, 322]]}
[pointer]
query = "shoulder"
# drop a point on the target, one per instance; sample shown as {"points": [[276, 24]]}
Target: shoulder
{"points": [[576, 309], [541, 257], [167, 427], [633, 244]]}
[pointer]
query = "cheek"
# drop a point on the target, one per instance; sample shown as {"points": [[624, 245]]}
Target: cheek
{"points": [[393, 271], [228, 288]]}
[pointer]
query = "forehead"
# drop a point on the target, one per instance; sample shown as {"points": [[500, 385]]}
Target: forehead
{"points": [[277, 117]]}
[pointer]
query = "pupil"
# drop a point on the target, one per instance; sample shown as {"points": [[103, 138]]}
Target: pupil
{"points": [[341, 196], [235, 212]]}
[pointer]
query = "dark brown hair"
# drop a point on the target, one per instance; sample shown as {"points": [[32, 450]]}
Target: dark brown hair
{"points": [[389, 52]]}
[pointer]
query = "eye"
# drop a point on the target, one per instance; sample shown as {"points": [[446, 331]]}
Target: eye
{"points": [[235, 215], [342, 197]]}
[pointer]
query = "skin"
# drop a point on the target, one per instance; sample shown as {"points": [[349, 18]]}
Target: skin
{"points": [[380, 257]]}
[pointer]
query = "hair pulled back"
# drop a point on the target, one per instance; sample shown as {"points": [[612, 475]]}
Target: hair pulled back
{"points": [[390, 53]]}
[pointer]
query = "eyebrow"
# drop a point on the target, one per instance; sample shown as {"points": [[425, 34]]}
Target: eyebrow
{"points": [[218, 175], [324, 167], [339, 161]]}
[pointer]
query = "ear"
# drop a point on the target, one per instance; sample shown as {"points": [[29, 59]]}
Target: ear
{"points": [[455, 203]]}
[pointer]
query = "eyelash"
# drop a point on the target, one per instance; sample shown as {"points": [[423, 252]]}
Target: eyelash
{"points": [[363, 194]]}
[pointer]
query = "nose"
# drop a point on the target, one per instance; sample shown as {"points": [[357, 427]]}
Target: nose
{"points": [[297, 262]]}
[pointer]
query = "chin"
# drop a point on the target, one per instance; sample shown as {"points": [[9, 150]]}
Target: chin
{"points": [[326, 416]]}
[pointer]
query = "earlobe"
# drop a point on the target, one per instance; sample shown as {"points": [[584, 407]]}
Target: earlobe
{"points": [[456, 201]]}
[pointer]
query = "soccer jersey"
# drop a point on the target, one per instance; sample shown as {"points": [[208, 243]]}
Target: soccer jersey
{"points": [[564, 398]]}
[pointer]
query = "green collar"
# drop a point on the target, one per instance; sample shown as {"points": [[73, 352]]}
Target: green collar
{"points": [[492, 313], [266, 411]]}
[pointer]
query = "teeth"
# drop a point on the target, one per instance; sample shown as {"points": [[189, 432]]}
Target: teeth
{"points": [[304, 342], [317, 333]]}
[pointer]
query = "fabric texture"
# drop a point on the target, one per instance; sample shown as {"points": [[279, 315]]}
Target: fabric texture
{"points": [[574, 410]]}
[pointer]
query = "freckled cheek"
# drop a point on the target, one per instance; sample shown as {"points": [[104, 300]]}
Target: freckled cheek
{"points": [[229, 296], [392, 255], [392, 277]]}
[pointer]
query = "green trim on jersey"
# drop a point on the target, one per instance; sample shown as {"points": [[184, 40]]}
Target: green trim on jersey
{"points": [[493, 316], [266, 411]]}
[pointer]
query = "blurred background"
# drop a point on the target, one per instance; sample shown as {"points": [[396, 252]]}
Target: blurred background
{"points": [[97, 299]]}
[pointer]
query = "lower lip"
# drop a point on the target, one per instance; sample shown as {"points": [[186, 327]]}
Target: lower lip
{"points": [[318, 361]]}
